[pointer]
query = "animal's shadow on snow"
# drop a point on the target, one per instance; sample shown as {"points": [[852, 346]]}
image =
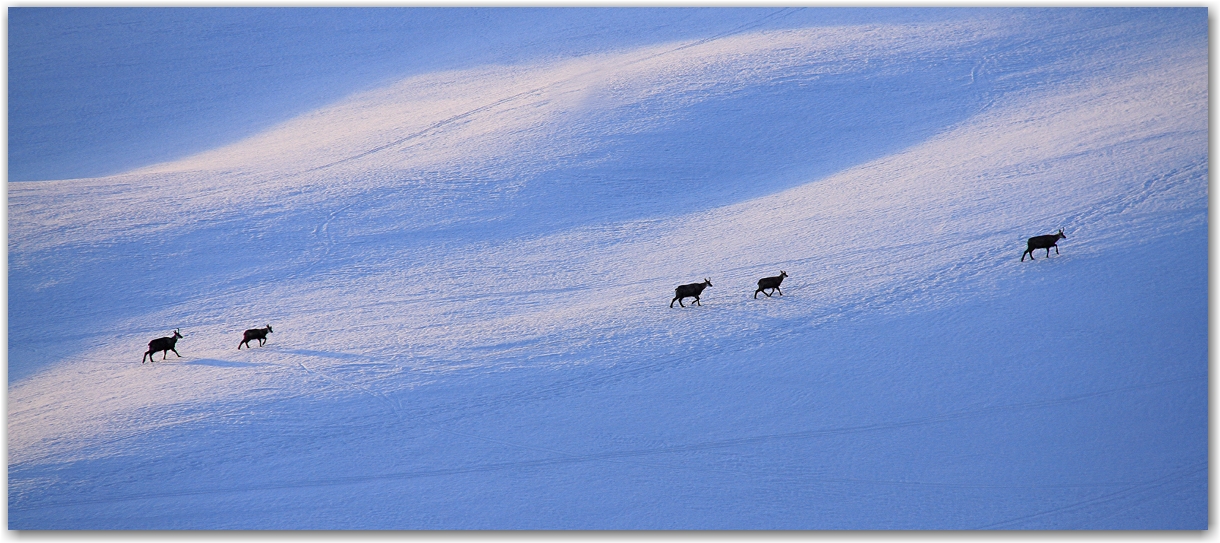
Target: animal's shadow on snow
{"points": [[220, 363]]}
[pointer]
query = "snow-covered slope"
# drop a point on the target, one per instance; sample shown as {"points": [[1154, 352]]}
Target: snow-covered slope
{"points": [[469, 272]]}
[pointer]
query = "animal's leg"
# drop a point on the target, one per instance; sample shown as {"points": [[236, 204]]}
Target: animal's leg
{"points": [[1056, 250], [262, 341], [671, 302], [781, 293], [175, 352]]}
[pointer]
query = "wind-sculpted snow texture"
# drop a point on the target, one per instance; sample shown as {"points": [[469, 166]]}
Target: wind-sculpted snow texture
{"points": [[468, 273]]}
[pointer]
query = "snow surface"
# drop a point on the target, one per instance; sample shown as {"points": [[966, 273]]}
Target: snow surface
{"points": [[468, 271]]}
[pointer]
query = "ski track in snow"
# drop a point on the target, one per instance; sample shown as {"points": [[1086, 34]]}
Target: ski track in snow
{"points": [[401, 244]]}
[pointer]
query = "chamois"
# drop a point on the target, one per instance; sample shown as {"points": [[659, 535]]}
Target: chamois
{"points": [[162, 344], [255, 333], [771, 283], [689, 291], [1043, 242]]}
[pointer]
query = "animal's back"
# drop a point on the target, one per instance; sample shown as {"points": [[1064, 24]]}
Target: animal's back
{"points": [[1039, 242]]}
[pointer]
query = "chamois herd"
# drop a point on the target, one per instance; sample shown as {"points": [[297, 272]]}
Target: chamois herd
{"points": [[166, 344], [692, 290]]}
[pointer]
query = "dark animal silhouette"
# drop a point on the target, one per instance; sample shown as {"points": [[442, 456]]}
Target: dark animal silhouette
{"points": [[255, 333], [162, 344], [692, 290], [771, 283], [1043, 242]]}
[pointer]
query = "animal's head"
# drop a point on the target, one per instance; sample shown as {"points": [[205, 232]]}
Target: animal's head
{"points": [[177, 334], [783, 273], [269, 330], [1061, 234], [707, 281]]}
